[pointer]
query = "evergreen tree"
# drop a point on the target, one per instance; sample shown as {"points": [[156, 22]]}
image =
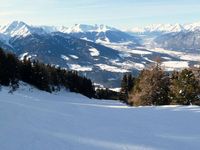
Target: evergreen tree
{"points": [[12, 64], [8, 69], [151, 88], [127, 84], [3, 69], [184, 88], [124, 84], [107, 94]]}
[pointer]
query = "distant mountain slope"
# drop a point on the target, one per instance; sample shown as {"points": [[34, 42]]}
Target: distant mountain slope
{"points": [[55, 45], [101, 34], [184, 41]]}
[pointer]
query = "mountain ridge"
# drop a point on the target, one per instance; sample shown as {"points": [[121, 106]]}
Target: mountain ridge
{"points": [[166, 28]]}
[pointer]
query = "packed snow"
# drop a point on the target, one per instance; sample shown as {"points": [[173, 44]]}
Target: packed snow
{"points": [[36, 120]]}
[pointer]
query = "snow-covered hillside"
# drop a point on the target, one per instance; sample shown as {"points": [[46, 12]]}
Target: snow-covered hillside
{"points": [[35, 120]]}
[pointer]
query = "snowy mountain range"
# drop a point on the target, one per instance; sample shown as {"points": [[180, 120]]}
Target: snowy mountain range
{"points": [[77, 28], [167, 28], [19, 28], [96, 33], [99, 52], [177, 37]]}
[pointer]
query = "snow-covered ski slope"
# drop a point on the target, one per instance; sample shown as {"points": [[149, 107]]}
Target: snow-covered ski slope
{"points": [[36, 120]]}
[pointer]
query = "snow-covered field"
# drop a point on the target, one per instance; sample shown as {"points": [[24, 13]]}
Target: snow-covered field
{"points": [[77, 67], [35, 120]]}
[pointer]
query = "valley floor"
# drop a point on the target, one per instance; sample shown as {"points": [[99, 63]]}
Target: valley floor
{"points": [[35, 120]]}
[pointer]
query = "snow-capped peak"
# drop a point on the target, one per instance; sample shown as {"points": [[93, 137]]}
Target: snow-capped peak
{"points": [[19, 28], [177, 28], [80, 28], [159, 28], [88, 28], [104, 28], [15, 28], [167, 28], [192, 26]]}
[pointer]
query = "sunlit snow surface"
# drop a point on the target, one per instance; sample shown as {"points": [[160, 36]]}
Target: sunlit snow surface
{"points": [[77, 67], [94, 52], [35, 120]]}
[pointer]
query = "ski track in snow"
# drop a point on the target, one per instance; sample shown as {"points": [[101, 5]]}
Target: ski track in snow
{"points": [[36, 120]]}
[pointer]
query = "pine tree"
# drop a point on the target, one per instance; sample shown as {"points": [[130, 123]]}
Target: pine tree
{"points": [[184, 88], [151, 88], [40, 76], [124, 84], [8, 69], [12, 70], [130, 82], [3, 69]]}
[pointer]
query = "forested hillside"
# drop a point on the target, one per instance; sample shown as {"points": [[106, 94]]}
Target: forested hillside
{"points": [[44, 77]]}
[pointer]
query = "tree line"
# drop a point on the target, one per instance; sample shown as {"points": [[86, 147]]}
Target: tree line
{"points": [[44, 77], [154, 86]]}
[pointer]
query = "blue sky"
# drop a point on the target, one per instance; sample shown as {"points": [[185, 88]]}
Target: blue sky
{"points": [[117, 13]]}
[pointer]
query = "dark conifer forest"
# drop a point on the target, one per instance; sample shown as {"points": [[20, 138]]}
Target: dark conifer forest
{"points": [[44, 77]]}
